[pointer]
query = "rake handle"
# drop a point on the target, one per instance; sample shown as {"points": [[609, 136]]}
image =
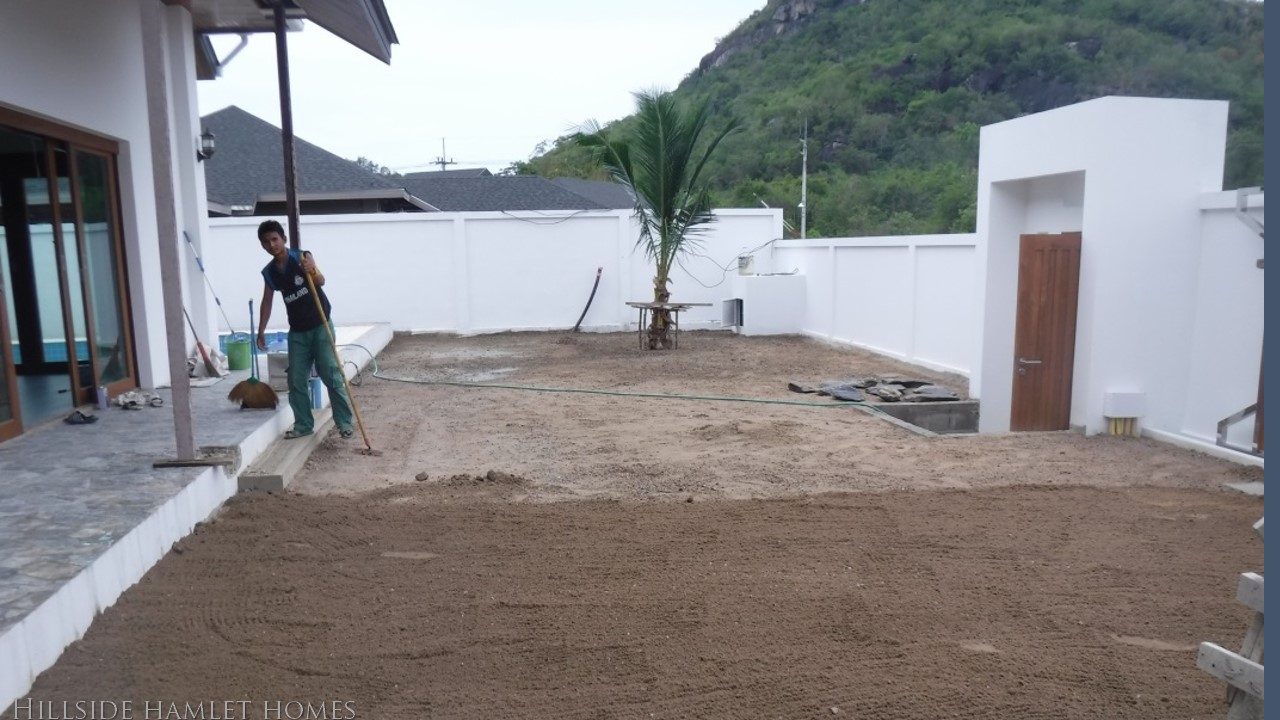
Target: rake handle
{"points": [[324, 320]]}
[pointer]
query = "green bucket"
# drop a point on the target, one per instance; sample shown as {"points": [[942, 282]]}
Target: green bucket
{"points": [[238, 352]]}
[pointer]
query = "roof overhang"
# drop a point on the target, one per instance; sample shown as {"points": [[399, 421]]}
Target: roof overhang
{"points": [[220, 209], [369, 194], [362, 23]]}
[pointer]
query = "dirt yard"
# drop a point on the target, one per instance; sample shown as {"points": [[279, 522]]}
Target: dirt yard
{"points": [[537, 554]]}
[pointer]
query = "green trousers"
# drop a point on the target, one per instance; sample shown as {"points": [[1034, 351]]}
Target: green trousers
{"points": [[306, 348]]}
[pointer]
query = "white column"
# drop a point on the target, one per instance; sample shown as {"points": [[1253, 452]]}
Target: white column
{"points": [[155, 53]]}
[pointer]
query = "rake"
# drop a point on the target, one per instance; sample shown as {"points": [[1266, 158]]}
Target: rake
{"points": [[324, 320]]}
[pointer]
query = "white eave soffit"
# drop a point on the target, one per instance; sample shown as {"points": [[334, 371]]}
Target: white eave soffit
{"points": [[362, 23]]}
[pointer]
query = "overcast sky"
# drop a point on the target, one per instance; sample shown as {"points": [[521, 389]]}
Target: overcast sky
{"points": [[492, 77]]}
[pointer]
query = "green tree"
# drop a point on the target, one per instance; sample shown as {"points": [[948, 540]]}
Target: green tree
{"points": [[375, 168], [661, 161], [895, 93]]}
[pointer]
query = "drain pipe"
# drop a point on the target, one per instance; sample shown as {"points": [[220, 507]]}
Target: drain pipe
{"points": [[589, 299], [244, 40], [232, 54]]}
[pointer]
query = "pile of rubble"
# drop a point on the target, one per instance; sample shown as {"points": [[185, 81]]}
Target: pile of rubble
{"points": [[883, 389]]}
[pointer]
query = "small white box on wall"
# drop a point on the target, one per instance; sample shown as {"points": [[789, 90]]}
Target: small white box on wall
{"points": [[1124, 404]]}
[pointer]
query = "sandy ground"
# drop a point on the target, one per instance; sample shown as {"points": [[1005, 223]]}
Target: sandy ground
{"points": [[524, 554]]}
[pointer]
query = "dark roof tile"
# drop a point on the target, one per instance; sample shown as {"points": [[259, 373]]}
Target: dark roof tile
{"points": [[458, 173], [249, 162], [609, 194], [494, 193]]}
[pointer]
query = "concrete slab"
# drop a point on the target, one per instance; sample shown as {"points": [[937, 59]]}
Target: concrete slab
{"points": [[276, 468], [957, 416], [1248, 488]]}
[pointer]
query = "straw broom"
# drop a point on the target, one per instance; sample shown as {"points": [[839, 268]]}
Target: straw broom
{"points": [[252, 393]]}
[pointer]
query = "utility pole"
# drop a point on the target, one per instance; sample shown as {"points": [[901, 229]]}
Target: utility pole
{"points": [[440, 160], [804, 177]]}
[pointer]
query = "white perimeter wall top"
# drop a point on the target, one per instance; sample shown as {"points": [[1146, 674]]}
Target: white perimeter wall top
{"points": [[488, 271], [1136, 167]]}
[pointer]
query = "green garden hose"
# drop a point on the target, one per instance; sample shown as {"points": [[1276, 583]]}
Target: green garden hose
{"points": [[615, 393]]}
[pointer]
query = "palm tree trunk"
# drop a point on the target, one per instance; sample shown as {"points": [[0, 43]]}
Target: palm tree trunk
{"points": [[660, 319]]}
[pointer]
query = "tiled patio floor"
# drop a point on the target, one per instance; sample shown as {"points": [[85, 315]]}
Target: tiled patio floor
{"points": [[74, 497]]}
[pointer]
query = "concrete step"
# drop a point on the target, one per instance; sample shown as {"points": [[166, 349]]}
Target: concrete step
{"points": [[276, 468]]}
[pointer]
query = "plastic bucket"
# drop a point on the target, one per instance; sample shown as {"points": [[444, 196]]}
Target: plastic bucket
{"points": [[238, 352]]}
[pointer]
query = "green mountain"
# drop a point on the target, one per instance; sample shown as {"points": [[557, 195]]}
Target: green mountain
{"points": [[893, 93]]}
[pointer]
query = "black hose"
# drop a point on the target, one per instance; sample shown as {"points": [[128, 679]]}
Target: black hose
{"points": [[589, 299]]}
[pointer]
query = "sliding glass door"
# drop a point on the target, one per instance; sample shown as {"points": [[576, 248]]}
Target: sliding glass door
{"points": [[64, 326], [101, 268]]}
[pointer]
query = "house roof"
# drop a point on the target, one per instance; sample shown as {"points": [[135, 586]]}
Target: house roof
{"points": [[248, 165], [362, 23], [478, 194], [462, 172], [609, 194], [247, 169]]}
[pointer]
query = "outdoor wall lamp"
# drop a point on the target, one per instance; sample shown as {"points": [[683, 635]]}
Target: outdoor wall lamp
{"points": [[207, 146]]}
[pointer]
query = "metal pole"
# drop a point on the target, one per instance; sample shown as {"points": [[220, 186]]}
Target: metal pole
{"points": [[286, 126], [804, 180]]}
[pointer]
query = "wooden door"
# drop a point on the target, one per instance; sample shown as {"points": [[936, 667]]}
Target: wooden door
{"points": [[1045, 335]]}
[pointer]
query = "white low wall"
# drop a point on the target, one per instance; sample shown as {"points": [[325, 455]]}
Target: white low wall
{"points": [[1225, 346], [486, 272], [914, 298]]}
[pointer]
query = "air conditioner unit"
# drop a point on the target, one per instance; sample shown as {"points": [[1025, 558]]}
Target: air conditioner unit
{"points": [[731, 312]]}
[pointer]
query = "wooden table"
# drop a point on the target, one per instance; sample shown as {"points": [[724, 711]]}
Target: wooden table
{"points": [[673, 307]]}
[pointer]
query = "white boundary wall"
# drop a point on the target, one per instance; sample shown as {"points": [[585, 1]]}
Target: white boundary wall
{"points": [[486, 272], [1170, 299], [1225, 346], [914, 298]]}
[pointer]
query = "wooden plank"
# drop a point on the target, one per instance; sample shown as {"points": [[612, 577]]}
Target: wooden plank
{"points": [[195, 462], [1251, 648], [1249, 591], [1245, 707], [1231, 668]]}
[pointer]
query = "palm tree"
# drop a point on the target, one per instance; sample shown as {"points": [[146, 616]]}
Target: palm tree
{"points": [[660, 162]]}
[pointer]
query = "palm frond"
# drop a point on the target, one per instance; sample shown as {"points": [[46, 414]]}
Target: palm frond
{"points": [[661, 162]]}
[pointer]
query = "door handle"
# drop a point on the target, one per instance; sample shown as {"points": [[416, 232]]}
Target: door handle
{"points": [[1024, 361]]}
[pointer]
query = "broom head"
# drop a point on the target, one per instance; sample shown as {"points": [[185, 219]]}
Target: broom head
{"points": [[253, 394]]}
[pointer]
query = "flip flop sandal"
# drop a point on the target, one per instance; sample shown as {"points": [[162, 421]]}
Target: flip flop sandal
{"points": [[294, 434], [79, 418]]}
